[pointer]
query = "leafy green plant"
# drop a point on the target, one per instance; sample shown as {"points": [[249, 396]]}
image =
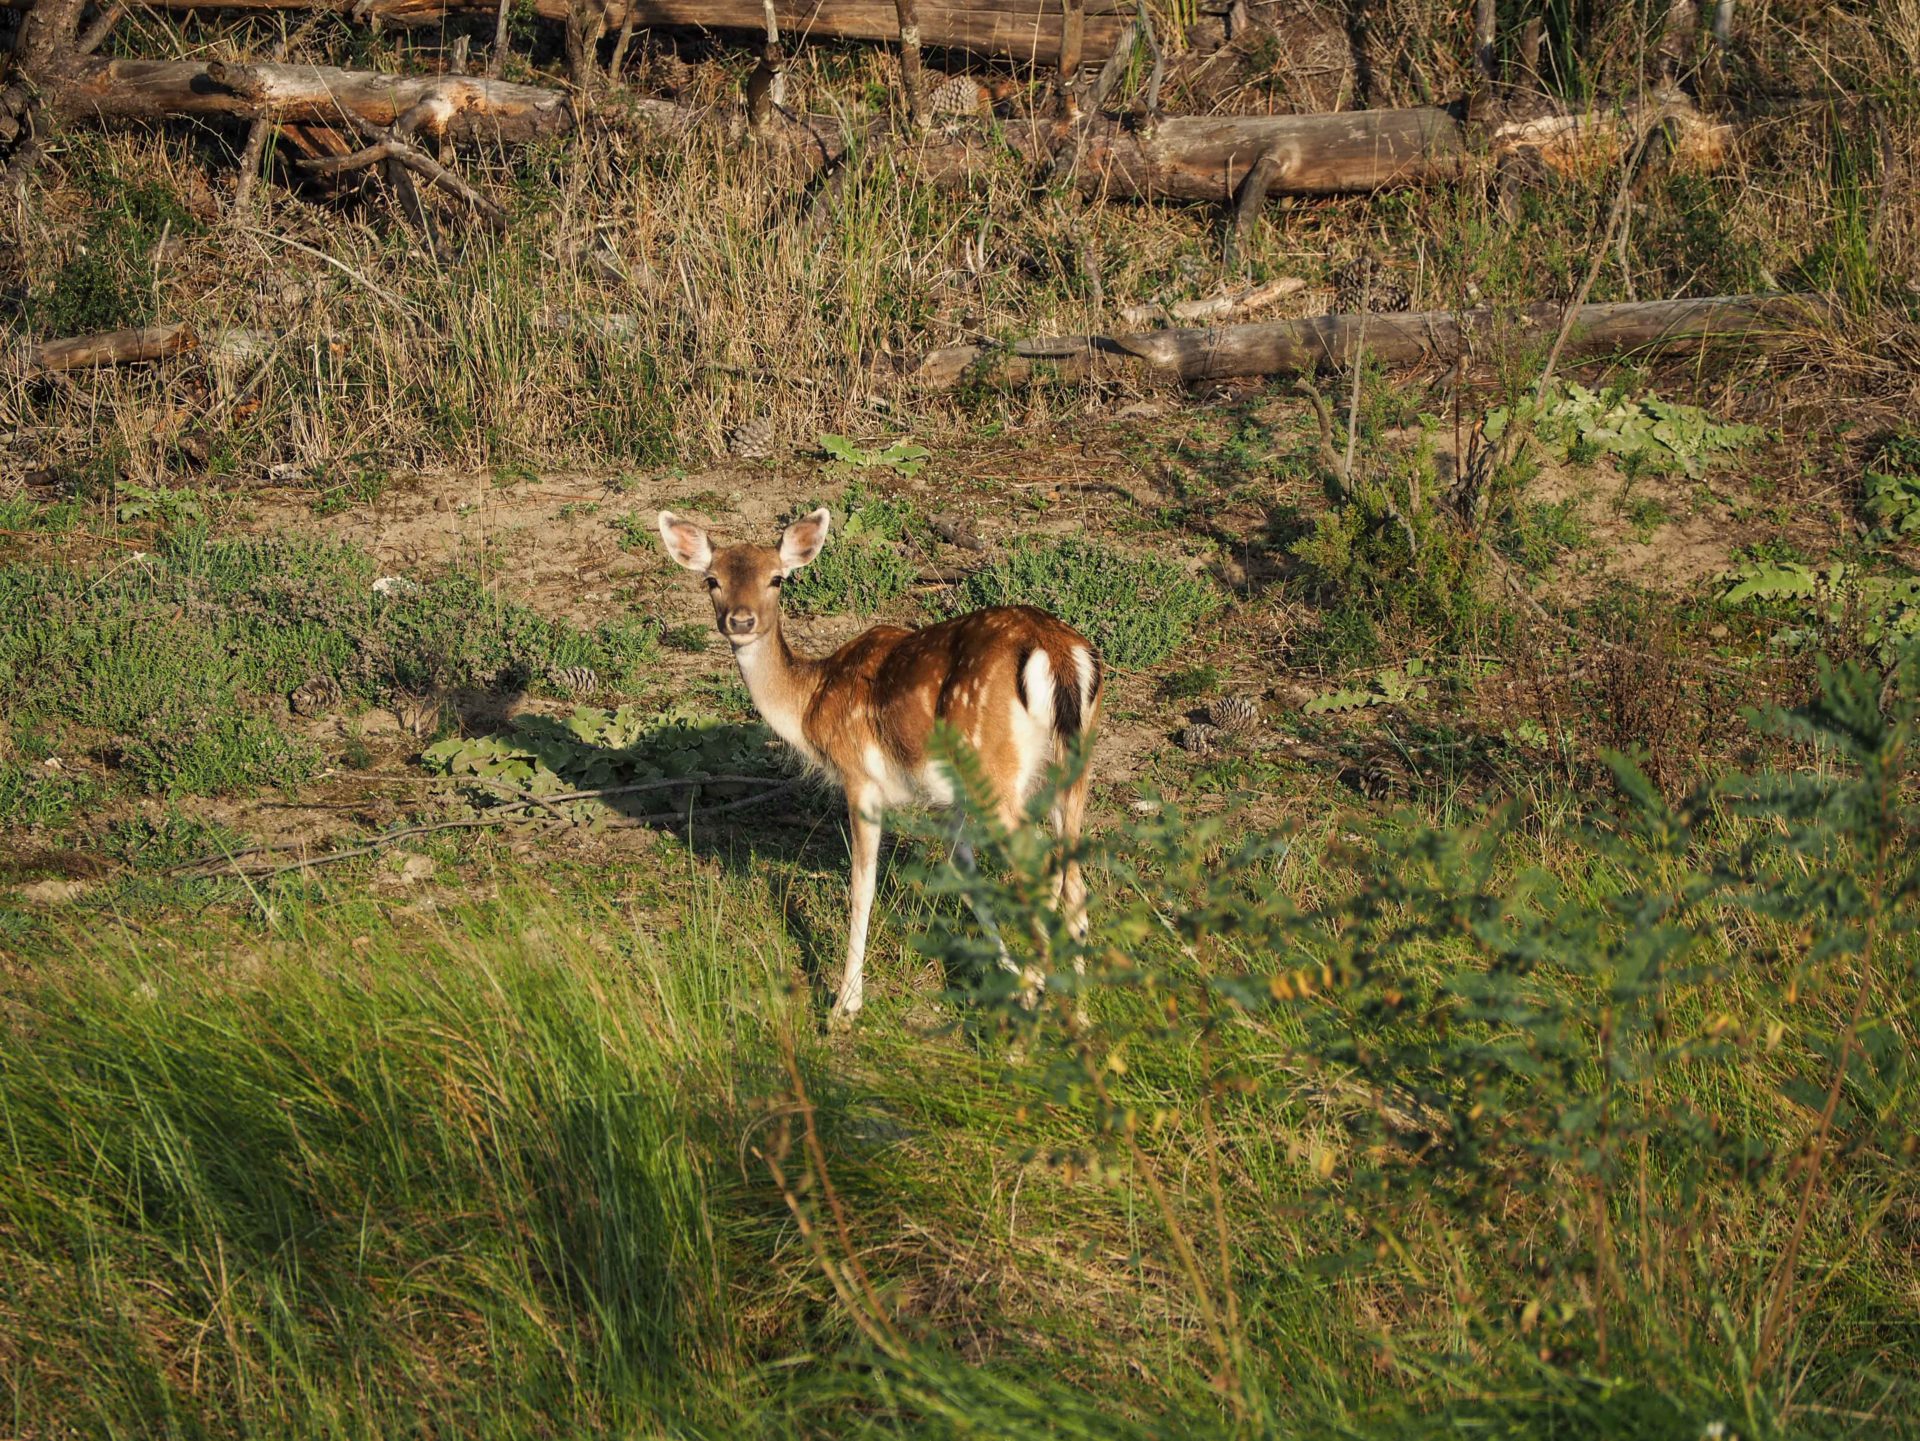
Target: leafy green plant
{"points": [[1892, 485], [1137, 610], [902, 456], [1884, 610], [1652, 434], [594, 749], [1397, 685], [159, 504]]}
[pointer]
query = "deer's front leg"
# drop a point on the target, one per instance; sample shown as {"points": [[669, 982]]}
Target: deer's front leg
{"points": [[863, 822]]}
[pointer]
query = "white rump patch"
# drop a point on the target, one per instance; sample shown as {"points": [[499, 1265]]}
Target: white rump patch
{"points": [[1032, 724], [1038, 682], [1083, 668]]}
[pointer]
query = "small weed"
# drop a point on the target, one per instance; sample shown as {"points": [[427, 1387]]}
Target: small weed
{"points": [[1137, 610], [33, 797], [636, 531], [361, 487], [1539, 533], [1384, 595], [1645, 515], [1190, 684], [155, 845], [692, 639]]}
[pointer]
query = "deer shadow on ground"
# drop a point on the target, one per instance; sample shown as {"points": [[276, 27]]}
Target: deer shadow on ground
{"points": [[797, 835]]}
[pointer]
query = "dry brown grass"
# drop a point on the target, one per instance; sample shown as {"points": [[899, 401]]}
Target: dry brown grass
{"points": [[387, 359]]}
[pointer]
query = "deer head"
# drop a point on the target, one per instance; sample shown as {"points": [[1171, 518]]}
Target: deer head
{"points": [[743, 581]]}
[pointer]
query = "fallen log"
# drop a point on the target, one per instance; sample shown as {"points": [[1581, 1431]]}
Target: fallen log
{"points": [[1288, 347], [113, 347], [1214, 307], [1180, 158], [1023, 30], [459, 108], [1193, 353], [1209, 157]]}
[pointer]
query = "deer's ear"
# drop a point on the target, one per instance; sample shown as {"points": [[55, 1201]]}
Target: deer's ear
{"points": [[802, 540], [685, 541]]}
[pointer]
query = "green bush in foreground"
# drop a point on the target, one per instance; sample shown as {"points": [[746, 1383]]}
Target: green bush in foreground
{"points": [[1137, 610]]}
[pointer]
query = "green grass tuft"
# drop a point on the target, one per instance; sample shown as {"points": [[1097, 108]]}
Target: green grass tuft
{"points": [[1137, 610], [865, 565]]}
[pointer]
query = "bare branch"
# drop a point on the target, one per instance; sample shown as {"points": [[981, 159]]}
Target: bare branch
{"points": [[1073, 38], [95, 35], [909, 15]]}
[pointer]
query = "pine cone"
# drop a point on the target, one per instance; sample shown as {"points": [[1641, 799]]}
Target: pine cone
{"points": [[754, 440], [1201, 739], [315, 696], [1237, 715], [1365, 284], [574, 679], [1377, 776], [959, 97]]}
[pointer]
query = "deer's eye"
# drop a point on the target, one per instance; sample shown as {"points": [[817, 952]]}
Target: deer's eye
{"points": [[776, 581], [713, 582]]}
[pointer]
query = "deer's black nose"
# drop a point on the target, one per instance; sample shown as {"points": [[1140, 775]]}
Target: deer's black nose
{"points": [[740, 622]]}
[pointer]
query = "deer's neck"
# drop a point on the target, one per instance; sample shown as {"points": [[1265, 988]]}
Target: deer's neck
{"points": [[782, 685]]}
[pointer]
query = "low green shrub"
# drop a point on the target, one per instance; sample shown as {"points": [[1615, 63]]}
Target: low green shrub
{"points": [[865, 564], [179, 661], [1390, 584], [1137, 610], [1690, 1021]]}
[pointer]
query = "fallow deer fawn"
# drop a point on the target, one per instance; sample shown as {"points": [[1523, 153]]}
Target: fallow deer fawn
{"points": [[1020, 686]]}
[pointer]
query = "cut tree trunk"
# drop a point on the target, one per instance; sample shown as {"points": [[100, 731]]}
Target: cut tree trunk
{"points": [[1288, 347], [1027, 30]]}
